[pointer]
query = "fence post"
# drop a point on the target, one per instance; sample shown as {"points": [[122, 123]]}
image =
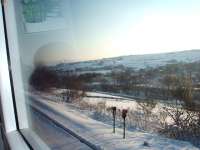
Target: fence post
{"points": [[114, 115], [124, 114]]}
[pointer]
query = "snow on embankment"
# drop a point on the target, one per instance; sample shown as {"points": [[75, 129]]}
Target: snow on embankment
{"points": [[101, 134]]}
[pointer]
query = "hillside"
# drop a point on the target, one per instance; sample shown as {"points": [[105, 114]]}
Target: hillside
{"points": [[132, 61]]}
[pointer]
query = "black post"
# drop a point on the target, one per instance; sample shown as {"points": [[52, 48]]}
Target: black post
{"points": [[124, 113], [124, 135], [113, 124], [114, 115]]}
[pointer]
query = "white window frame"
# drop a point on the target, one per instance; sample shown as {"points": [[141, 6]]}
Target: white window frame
{"points": [[14, 139], [14, 119], [5, 86]]}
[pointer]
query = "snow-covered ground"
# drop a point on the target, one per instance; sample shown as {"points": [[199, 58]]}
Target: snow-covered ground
{"points": [[122, 103], [119, 102], [132, 61], [99, 133]]}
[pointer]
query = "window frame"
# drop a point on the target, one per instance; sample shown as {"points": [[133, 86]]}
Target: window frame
{"points": [[15, 120]]}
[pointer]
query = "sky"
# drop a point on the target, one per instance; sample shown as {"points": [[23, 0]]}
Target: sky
{"points": [[107, 28], [110, 28]]}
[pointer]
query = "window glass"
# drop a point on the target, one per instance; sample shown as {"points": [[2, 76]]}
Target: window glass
{"points": [[110, 74]]}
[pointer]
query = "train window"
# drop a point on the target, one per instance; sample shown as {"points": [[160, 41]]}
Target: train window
{"points": [[108, 74]]}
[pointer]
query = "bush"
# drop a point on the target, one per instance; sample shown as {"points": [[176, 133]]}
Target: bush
{"points": [[43, 79]]}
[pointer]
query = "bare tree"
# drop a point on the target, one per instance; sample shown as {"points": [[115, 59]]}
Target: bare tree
{"points": [[73, 88], [169, 81]]}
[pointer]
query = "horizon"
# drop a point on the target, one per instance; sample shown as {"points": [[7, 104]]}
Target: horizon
{"points": [[74, 61]]}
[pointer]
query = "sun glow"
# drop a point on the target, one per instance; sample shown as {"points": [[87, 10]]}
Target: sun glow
{"points": [[158, 34]]}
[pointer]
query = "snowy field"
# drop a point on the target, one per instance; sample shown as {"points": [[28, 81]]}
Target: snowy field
{"points": [[132, 61], [99, 133], [122, 103], [119, 102]]}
